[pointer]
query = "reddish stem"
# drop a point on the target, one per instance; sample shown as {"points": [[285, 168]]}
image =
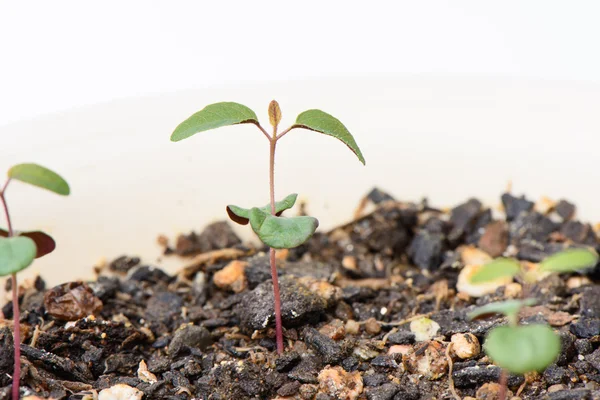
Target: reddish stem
{"points": [[503, 385], [16, 312], [274, 277]]}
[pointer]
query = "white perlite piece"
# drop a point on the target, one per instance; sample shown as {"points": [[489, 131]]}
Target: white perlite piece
{"points": [[121, 392], [424, 329]]}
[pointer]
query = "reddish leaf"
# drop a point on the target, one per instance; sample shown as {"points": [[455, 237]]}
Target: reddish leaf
{"points": [[44, 242]]}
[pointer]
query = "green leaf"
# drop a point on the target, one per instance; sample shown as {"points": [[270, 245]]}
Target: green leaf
{"points": [[280, 232], [508, 308], [39, 176], [496, 269], [43, 242], [522, 349], [242, 215], [214, 116], [16, 253], [319, 121], [569, 260]]}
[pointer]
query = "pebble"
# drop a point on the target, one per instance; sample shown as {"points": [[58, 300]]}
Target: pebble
{"points": [[163, 306], [589, 305], [401, 337], [489, 391], [565, 209], [144, 374], [583, 346], [477, 375], [298, 304], [328, 292], [372, 326], [424, 329], [191, 336], [352, 327], [383, 392], [555, 374], [400, 349], [426, 250], [570, 394], [374, 380], [465, 345], [231, 277], [427, 359], [335, 330], [120, 392], [71, 301], [289, 389], [287, 361], [585, 327], [594, 359], [513, 206], [331, 351], [340, 384], [513, 290], [494, 240]]}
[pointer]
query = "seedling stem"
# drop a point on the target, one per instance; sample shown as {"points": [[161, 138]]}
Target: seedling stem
{"points": [[15, 301]]}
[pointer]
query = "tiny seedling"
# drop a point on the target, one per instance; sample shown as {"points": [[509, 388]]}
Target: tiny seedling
{"points": [[521, 349], [273, 230], [516, 348], [569, 260], [19, 249]]}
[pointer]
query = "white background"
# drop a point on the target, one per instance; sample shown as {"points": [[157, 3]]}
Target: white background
{"points": [[58, 54], [447, 99]]}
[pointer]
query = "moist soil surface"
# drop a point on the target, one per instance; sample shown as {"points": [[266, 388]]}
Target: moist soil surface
{"points": [[354, 301]]}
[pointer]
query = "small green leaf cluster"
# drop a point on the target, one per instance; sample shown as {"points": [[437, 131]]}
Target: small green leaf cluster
{"points": [[518, 348], [569, 260], [19, 251], [522, 349]]}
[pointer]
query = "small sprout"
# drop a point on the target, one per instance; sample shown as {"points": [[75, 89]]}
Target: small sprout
{"points": [[19, 249], [518, 349], [522, 349], [496, 269], [273, 230], [570, 260], [509, 308]]}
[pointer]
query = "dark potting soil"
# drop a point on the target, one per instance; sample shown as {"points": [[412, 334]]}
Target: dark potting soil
{"points": [[348, 299]]}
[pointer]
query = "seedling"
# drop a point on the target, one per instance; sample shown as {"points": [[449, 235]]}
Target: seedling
{"points": [[273, 230], [522, 349], [517, 348], [19, 249], [569, 260]]}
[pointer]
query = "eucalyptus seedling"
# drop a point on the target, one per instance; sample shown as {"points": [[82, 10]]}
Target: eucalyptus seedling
{"points": [[273, 230], [19, 249], [517, 348], [569, 260]]}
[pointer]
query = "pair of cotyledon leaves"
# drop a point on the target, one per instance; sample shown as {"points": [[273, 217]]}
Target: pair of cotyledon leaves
{"points": [[519, 349], [274, 231], [569, 260], [19, 251]]}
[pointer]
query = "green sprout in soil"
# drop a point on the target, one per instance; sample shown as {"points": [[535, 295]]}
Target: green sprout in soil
{"points": [[569, 260], [273, 230], [19, 249], [522, 349]]}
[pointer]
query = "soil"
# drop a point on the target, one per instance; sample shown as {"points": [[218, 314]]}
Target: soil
{"points": [[353, 303]]}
